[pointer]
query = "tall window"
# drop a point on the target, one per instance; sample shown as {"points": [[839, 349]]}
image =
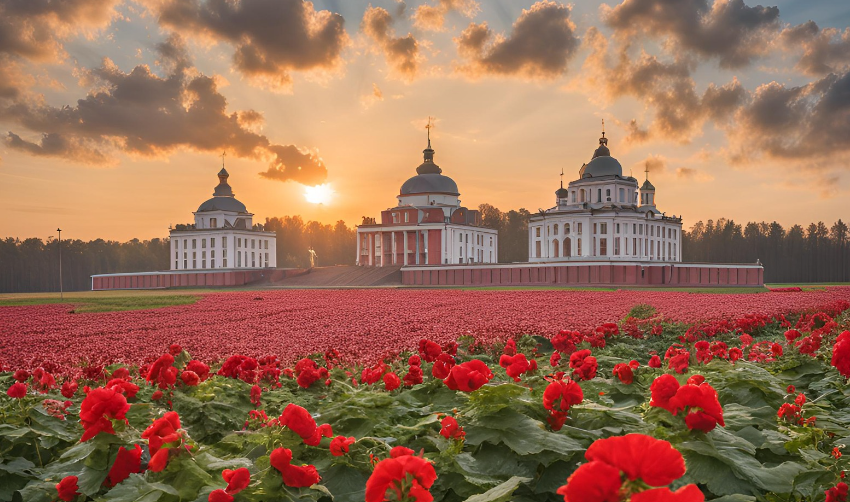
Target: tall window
{"points": [[555, 229], [616, 246], [194, 243], [578, 229], [608, 194], [622, 195], [598, 195], [603, 228], [574, 196], [603, 247], [537, 232], [566, 229], [212, 242], [224, 242], [213, 223], [578, 246], [537, 250], [203, 243]]}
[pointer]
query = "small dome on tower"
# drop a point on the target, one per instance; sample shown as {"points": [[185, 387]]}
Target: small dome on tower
{"points": [[223, 198], [429, 178], [647, 186]]}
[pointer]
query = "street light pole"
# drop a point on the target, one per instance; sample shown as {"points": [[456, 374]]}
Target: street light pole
{"points": [[60, 263]]}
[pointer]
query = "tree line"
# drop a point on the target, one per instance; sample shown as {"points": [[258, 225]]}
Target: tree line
{"points": [[33, 264], [815, 253]]}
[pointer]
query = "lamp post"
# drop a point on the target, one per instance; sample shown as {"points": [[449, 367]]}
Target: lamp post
{"points": [[60, 263]]}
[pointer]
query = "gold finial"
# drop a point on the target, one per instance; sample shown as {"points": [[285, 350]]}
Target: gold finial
{"points": [[647, 171], [223, 154], [562, 177], [603, 128], [428, 127]]}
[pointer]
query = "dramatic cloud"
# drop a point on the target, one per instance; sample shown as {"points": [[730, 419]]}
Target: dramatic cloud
{"points": [[808, 125], [34, 29], [144, 114], [726, 29], [433, 17], [541, 44], [657, 166], [680, 111], [824, 50], [272, 38], [401, 53]]}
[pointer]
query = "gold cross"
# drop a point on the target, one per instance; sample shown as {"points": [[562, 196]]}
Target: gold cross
{"points": [[223, 154]]}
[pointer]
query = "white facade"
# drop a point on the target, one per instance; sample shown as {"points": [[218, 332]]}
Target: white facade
{"points": [[223, 236], [604, 216]]}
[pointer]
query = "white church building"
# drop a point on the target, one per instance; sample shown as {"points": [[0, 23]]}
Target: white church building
{"points": [[604, 215], [223, 236], [428, 226]]}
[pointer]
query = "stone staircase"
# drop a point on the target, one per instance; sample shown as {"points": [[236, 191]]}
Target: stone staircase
{"points": [[343, 276]]}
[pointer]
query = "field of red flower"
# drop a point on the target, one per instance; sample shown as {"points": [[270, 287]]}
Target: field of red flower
{"points": [[362, 325], [746, 404]]}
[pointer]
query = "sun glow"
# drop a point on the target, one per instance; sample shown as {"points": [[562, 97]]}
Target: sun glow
{"points": [[319, 194]]}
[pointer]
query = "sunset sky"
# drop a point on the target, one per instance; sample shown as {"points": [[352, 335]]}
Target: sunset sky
{"points": [[115, 113]]}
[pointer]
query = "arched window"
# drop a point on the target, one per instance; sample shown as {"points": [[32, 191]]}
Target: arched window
{"points": [[581, 195], [555, 248], [568, 251], [566, 229], [608, 194], [555, 229]]}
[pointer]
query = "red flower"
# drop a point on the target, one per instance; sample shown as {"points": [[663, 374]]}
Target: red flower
{"points": [[175, 349], [515, 365], [99, 408], [696, 379], [469, 376], [800, 400], [162, 372], [663, 390], [163, 436], [127, 461], [429, 350], [293, 475], [555, 359], [190, 378], [735, 353], [156, 396], [841, 354], [792, 334], [451, 429], [220, 496], [67, 488], [237, 480], [561, 394], [125, 387], [390, 472], [298, 420], [17, 390], [339, 445], [593, 482], [687, 493], [256, 392], [414, 360], [413, 376], [679, 363], [442, 366], [69, 388], [704, 410], [159, 460], [654, 362], [391, 382], [21, 375], [510, 348], [200, 369], [837, 493], [584, 364], [790, 389], [654, 461], [624, 373]]}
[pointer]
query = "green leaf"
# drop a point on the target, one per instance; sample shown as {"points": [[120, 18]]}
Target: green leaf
{"points": [[501, 493], [137, 488]]}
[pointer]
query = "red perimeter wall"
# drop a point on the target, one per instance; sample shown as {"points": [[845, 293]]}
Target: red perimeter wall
{"points": [[188, 279], [586, 274]]}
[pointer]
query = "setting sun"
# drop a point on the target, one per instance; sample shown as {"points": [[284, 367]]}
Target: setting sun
{"points": [[319, 194]]}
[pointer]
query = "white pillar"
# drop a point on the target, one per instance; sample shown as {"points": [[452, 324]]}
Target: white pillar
{"points": [[394, 248], [404, 258]]}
